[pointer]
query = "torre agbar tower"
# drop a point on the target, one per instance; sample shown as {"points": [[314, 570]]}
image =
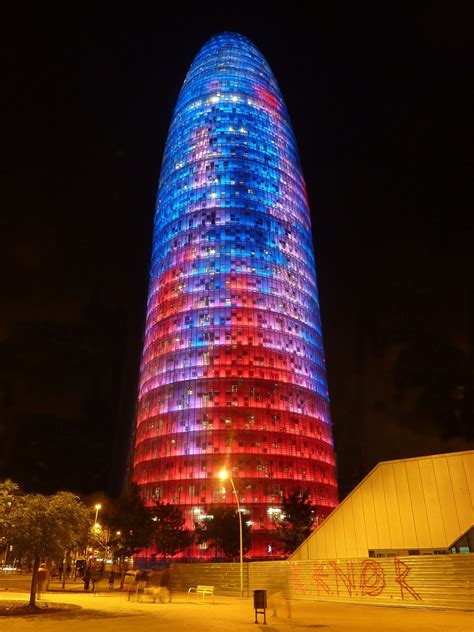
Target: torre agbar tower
{"points": [[233, 372]]}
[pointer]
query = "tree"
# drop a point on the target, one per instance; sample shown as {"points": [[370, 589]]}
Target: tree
{"points": [[42, 527], [133, 520], [170, 537], [8, 489], [296, 520], [221, 529]]}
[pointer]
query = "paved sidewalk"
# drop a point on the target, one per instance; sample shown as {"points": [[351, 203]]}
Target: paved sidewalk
{"points": [[113, 613]]}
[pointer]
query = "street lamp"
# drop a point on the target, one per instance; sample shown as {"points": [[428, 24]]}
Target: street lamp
{"points": [[224, 475], [96, 528], [97, 507]]}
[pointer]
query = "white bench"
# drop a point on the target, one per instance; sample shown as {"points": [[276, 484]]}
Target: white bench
{"points": [[202, 590]]}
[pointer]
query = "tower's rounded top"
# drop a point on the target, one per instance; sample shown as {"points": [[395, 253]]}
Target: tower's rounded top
{"points": [[230, 38], [230, 57]]}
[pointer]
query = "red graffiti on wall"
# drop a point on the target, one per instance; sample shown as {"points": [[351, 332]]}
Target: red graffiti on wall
{"points": [[401, 572], [372, 579], [347, 577], [319, 576], [296, 580]]}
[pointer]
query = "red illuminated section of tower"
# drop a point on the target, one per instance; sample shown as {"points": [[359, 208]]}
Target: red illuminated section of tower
{"points": [[233, 371]]}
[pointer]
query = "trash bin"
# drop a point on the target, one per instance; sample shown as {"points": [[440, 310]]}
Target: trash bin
{"points": [[260, 604], [259, 599]]}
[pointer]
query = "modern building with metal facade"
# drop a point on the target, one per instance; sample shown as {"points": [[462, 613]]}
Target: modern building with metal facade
{"points": [[233, 372], [417, 506]]}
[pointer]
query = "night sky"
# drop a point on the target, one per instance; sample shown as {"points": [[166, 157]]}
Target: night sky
{"points": [[381, 104]]}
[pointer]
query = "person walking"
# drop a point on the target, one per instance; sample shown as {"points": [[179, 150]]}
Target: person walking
{"points": [[87, 577], [130, 583], [165, 581], [42, 581]]}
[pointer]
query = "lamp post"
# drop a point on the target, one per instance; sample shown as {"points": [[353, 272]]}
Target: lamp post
{"points": [[97, 508], [96, 527], [224, 475]]}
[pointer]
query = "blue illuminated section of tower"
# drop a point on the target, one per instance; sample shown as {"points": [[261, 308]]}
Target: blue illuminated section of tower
{"points": [[233, 369]]}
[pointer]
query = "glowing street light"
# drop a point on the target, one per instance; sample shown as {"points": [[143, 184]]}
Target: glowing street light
{"points": [[97, 508], [224, 475], [96, 528]]}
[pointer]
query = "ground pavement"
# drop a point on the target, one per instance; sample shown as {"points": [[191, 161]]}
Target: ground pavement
{"points": [[111, 612]]}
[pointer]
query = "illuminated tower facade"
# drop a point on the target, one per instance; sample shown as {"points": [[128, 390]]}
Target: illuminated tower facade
{"points": [[233, 369]]}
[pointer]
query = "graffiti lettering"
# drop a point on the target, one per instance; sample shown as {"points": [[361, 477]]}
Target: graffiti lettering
{"points": [[338, 578], [319, 576], [347, 578], [372, 579], [401, 572], [296, 580]]}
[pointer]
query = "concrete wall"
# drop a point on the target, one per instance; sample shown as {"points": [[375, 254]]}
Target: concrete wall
{"points": [[434, 581], [421, 503]]}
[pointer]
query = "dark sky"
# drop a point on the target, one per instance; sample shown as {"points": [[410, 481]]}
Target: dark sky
{"points": [[381, 105]]}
